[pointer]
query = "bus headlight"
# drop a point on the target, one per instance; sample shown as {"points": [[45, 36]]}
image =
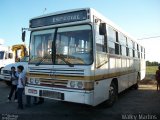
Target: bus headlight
{"points": [[32, 80], [37, 81], [80, 85], [72, 84]]}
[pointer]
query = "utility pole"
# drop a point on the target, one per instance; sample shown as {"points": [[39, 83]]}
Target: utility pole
{"points": [[45, 9]]}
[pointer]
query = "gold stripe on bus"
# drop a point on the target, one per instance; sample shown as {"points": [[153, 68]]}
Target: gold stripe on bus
{"points": [[67, 77], [112, 75]]}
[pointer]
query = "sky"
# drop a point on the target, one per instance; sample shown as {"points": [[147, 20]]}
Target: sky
{"points": [[140, 18]]}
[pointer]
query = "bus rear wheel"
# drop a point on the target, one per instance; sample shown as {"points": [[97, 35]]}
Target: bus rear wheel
{"points": [[135, 86], [113, 95]]}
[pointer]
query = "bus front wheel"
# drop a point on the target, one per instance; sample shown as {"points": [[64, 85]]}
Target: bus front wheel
{"points": [[113, 94]]}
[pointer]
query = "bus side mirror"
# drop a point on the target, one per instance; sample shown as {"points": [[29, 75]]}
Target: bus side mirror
{"points": [[10, 55], [23, 35], [102, 29]]}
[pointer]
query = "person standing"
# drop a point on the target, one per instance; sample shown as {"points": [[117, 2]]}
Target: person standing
{"points": [[158, 78], [14, 80], [20, 86]]}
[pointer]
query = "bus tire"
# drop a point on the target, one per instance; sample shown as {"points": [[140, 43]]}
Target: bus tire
{"points": [[135, 86], [113, 94]]}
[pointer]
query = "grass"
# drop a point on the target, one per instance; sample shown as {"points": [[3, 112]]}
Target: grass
{"points": [[151, 70], [150, 75]]}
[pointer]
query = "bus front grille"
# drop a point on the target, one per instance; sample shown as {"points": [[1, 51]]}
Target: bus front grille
{"points": [[57, 77]]}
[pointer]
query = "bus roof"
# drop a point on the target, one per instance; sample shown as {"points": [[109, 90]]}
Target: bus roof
{"points": [[92, 12]]}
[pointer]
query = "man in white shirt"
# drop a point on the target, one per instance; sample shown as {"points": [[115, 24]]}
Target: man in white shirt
{"points": [[20, 86], [14, 80]]}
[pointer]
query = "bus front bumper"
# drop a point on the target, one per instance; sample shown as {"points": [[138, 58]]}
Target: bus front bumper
{"points": [[76, 96]]}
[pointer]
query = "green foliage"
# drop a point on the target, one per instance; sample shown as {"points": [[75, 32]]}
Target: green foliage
{"points": [[151, 69], [148, 63]]}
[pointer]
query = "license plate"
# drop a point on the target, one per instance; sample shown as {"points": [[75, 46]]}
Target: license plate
{"points": [[32, 91], [52, 94]]}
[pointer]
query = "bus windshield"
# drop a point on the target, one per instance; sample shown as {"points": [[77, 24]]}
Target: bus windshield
{"points": [[1, 54], [40, 46], [72, 45]]}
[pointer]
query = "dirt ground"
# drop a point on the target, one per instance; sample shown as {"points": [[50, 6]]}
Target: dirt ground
{"points": [[148, 83]]}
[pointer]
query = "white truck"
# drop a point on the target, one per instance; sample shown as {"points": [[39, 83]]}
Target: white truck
{"points": [[6, 56], [5, 72]]}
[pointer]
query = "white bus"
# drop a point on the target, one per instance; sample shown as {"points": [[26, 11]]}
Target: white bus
{"points": [[80, 56]]}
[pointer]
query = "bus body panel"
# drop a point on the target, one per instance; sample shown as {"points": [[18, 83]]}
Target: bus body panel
{"points": [[101, 91], [95, 78]]}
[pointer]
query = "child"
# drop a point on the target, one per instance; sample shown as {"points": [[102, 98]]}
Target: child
{"points": [[20, 86], [14, 80]]}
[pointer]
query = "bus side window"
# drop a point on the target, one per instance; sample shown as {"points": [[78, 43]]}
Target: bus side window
{"points": [[130, 46], [100, 42], [138, 50], [117, 46], [113, 42], [123, 42]]}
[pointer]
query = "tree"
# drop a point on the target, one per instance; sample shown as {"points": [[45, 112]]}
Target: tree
{"points": [[148, 63]]}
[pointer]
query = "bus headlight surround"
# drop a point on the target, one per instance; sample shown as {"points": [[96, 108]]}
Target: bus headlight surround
{"points": [[34, 81], [76, 84]]}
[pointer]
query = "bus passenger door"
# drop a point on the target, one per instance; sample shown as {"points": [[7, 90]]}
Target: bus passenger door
{"points": [[101, 65]]}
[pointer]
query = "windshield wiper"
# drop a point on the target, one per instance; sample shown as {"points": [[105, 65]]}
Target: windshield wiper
{"points": [[30, 58], [37, 64], [63, 59]]}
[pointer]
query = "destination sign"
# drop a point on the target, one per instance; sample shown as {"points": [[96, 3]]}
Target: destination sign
{"points": [[59, 19]]}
